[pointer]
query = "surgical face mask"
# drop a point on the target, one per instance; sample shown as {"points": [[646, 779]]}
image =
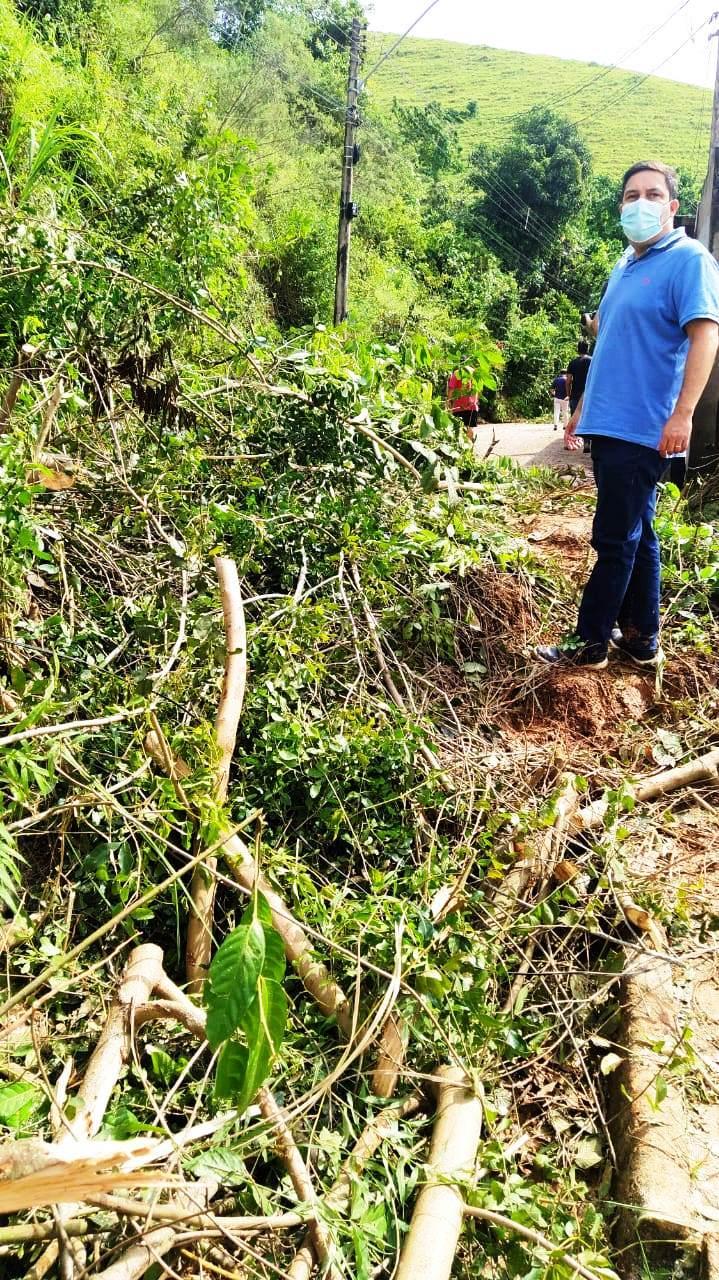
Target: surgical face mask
{"points": [[643, 219]]}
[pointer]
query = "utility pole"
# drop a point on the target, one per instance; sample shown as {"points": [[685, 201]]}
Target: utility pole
{"points": [[714, 158], [349, 159], [705, 433]]}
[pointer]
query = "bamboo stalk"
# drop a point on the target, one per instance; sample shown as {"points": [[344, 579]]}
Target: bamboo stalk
{"points": [[202, 891], [430, 1245]]}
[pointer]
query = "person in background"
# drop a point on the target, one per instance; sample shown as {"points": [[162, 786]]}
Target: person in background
{"points": [[577, 371], [656, 345], [560, 393], [463, 402]]}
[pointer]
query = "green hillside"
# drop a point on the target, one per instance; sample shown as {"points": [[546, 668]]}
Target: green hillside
{"points": [[622, 114]]}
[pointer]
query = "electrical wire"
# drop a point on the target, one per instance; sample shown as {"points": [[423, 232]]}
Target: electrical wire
{"points": [[627, 93], [562, 98], [510, 202], [701, 117], [495, 238], [398, 42]]}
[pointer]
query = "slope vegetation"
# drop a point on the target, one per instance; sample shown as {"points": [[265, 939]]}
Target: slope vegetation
{"points": [[622, 113]]}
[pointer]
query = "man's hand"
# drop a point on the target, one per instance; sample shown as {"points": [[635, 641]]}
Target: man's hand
{"points": [[676, 433], [570, 439]]}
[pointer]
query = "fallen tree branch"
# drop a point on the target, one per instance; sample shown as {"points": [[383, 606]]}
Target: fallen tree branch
{"points": [[173, 1213], [298, 948], [431, 1243], [140, 1257], [139, 978], [338, 1197], [399, 458], [17, 378], [34, 1173], [534, 1237], [111, 1053], [390, 1055], [289, 1154], [35, 1232], [202, 890], [704, 769], [70, 726]]}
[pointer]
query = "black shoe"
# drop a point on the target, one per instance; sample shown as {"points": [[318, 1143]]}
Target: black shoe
{"points": [[642, 655], [573, 653]]}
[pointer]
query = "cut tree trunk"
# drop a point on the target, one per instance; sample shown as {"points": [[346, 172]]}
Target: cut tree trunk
{"points": [[202, 890], [704, 769], [436, 1224]]}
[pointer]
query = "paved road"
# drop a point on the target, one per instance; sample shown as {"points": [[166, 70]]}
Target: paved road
{"points": [[530, 443]]}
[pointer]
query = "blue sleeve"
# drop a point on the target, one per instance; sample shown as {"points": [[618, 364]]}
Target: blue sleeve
{"points": [[696, 289]]}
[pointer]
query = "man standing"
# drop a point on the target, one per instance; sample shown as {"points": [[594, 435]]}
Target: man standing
{"points": [[656, 346], [577, 372], [561, 400]]}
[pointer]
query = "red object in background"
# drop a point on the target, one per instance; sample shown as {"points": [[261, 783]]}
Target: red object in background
{"points": [[457, 402]]}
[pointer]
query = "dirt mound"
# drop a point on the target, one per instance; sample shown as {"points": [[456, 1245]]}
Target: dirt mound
{"points": [[566, 538], [496, 616], [583, 706]]}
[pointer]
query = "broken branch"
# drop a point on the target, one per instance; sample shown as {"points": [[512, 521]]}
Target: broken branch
{"points": [[202, 890], [430, 1246], [298, 948]]}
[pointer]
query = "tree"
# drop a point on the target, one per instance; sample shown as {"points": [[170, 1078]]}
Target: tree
{"points": [[431, 131], [531, 187], [236, 20]]}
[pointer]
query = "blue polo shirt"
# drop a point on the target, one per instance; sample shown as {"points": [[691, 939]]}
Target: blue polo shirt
{"points": [[638, 364]]}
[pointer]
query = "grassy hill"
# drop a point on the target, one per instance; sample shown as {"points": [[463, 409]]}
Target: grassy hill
{"points": [[623, 115]]}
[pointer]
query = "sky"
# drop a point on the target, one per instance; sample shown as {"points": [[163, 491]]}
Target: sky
{"points": [[606, 32]]}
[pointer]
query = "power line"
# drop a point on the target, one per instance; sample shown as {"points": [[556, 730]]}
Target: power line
{"points": [[616, 65], [398, 42], [498, 240], [502, 194], [626, 93]]}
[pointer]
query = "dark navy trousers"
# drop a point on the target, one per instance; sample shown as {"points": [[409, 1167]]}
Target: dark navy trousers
{"points": [[623, 587]]}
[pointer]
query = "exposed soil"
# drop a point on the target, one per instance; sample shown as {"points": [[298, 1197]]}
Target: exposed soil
{"points": [[594, 707], [555, 536], [497, 617]]}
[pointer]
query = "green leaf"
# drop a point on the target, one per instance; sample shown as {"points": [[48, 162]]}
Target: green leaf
{"points": [[264, 1028], [274, 965], [18, 1102], [233, 977], [220, 1163], [660, 1090], [231, 1070]]}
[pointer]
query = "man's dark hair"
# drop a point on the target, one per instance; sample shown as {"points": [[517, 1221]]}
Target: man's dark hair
{"points": [[582, 347], [655, 166]]}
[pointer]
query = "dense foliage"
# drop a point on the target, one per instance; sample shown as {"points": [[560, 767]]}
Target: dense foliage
{"points": [[200, 144], [167, 223]]}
